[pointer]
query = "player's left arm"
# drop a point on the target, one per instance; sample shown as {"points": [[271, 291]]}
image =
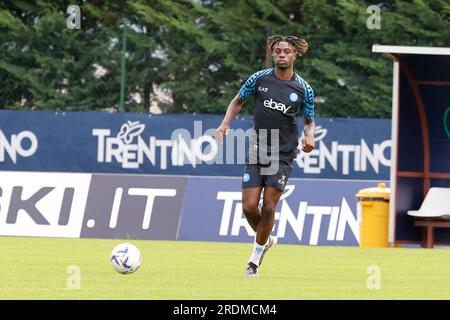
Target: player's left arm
{"points": [[308, 137], [308, 120]]}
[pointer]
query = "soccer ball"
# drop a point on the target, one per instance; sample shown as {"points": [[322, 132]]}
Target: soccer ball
{"points": [[125, 258]]}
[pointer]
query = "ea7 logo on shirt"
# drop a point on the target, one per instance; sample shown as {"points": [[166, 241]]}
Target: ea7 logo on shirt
{"points": [[276, 105], [263, 89]]}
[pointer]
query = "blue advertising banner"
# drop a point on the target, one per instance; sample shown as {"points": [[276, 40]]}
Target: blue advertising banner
{"points": [[179, 145], [310, 212]]}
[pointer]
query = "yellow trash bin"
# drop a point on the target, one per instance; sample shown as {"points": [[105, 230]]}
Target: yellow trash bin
{"points": [[373, 215]]}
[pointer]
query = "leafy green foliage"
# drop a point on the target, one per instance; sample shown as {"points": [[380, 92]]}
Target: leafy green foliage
{"points": [[202, 51]]}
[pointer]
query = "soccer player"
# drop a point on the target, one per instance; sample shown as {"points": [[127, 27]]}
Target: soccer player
{"points": [[279, 95]]}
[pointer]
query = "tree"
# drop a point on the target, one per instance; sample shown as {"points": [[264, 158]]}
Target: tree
{"points": [[202, 51]]}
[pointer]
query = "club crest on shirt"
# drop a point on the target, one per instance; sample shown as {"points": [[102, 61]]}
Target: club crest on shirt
{"points": [[293, 96]]}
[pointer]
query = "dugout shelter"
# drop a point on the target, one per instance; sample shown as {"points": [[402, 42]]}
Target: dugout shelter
{"points": [[420, 135]]}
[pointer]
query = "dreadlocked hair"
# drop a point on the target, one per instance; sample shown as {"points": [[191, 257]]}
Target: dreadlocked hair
{"points": [[300, 45]]}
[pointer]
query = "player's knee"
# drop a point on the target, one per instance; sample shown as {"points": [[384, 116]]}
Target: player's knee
{"points": [[268, 210], [250, 209]]}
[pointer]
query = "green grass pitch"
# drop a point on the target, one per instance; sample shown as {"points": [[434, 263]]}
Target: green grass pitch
{"points": [[39, 268]]}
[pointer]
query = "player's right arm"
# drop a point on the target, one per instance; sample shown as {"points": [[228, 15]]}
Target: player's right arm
{"points": [[233, 109], [246, 91]]}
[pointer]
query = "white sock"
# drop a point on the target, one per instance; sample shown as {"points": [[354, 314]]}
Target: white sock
{"points": [[257, 252]]}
